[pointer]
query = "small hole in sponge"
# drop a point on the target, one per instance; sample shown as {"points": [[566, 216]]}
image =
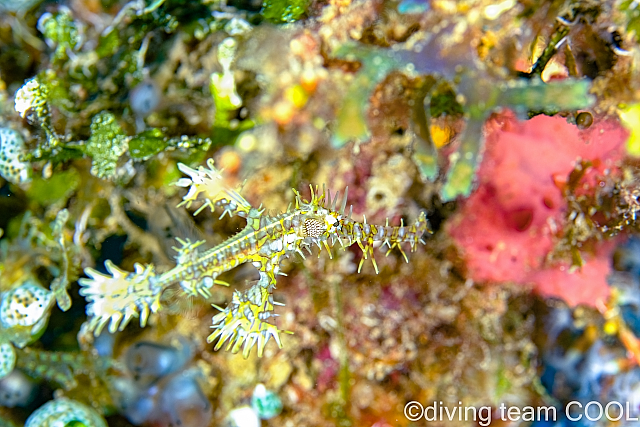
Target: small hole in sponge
{"points": [[520, 219]]}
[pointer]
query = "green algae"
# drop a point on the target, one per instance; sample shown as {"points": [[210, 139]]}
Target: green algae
{"points": [[58, 188], [284, 11], [61, 32], [147, 143], [631, 10], [630, 118], [106, 144]]}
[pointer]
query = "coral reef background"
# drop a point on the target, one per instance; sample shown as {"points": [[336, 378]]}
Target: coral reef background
{"points": [[514, 125]]}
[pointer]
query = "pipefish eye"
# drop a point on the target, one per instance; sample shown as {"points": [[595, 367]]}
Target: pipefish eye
{"points": [[331, 221]]}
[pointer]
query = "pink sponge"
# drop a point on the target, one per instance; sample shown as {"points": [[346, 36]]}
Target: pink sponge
{"points": [[508, 226]]}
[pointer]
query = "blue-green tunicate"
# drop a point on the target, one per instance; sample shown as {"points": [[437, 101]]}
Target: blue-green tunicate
{"points": [[63, 412], [12, 148], [7, 359], [265, 403], [17, 390]]}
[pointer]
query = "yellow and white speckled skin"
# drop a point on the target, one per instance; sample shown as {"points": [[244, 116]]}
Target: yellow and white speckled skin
{"points": [[265, 241]]}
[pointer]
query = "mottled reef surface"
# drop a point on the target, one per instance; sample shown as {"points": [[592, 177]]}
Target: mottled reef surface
{"points": [[173, 250]]}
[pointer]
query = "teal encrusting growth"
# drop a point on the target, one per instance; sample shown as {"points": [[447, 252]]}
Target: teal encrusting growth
{"points": [[483, 95], [479, 94], [376, 65], [413, 6], [425, 57], [265, 403]]}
